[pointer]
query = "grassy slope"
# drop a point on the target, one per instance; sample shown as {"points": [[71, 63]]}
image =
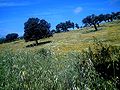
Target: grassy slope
{"points": [[43, 70], [76, 40]]}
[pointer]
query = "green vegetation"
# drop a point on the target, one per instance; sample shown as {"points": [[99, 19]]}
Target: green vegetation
{"points": [[35, 29], [71, 61], [11, 37], [96, 20], [46, 71], [64, 26]]}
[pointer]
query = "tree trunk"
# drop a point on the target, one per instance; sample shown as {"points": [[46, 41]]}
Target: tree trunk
{"points": [[98, 24], [95, 27], [36, 42]]}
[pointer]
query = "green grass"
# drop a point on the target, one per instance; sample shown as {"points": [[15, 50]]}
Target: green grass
{"points": [[44, 70], [63, 64], [76, 40]]}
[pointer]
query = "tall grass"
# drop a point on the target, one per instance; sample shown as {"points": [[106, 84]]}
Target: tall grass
{"points": [[106, 61], [43, 70]]}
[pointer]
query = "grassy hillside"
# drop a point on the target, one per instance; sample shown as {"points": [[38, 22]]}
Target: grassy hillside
{"points": [[61, 63], [76, 40]]}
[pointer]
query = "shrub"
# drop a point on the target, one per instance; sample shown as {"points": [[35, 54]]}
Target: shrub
{"points": [[106, 60]]}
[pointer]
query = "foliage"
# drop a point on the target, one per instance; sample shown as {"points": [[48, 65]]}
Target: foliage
{"points": [[46, 71], [43, 69], [64, 26], [101, 18], [11, 37], [91, 20], [106, 60], [77, 26], [116, 15], [35, 29], [53, 31], [2, 40], [96, 20]]}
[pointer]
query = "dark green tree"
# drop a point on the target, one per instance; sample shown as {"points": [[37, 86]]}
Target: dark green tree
{"points": [[53, 31], [64, 26], [58, 28], [2, 40], [91, 20], [115, 15], [69, 24], [77, 26], [101, 18], [35, 29], [11, 37], [109, 17]]}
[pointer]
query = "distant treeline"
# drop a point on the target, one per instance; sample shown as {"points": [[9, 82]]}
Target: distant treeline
{"points": [[9, 38], [88, 21], [95, 20]]}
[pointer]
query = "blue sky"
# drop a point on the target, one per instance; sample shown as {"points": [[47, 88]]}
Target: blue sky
{"points": [[13, 13]]}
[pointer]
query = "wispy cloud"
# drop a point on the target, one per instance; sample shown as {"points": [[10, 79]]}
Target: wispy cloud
{"points": [[9, 4], [78, 10]]}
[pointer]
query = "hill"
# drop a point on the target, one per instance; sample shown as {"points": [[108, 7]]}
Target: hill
{"points": [[76, 40], [59, 62]]}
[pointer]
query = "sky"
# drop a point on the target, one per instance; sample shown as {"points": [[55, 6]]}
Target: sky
{"points": [[14, 13]]}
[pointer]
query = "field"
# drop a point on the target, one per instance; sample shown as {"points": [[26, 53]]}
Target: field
{"points": [[76, 40], [61, 62]]}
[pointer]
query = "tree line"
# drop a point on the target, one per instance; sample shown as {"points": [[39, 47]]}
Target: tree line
{"points": [[65, 26], [35, 29], [95, 20], [9, 38]]}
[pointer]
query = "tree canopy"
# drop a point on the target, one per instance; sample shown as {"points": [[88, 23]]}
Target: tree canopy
{"points": [[11, 37], [94, 19], [64, 26], [91, 20], [35, 29]]}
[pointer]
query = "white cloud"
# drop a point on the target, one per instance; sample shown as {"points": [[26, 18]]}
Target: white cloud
{"points": [[9, 4], [78, 10]]}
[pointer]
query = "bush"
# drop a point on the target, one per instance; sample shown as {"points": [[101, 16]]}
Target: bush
{"points": [[106, 60]]}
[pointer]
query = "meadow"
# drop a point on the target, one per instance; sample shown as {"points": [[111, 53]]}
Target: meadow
{"points": [[69, 61]]}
